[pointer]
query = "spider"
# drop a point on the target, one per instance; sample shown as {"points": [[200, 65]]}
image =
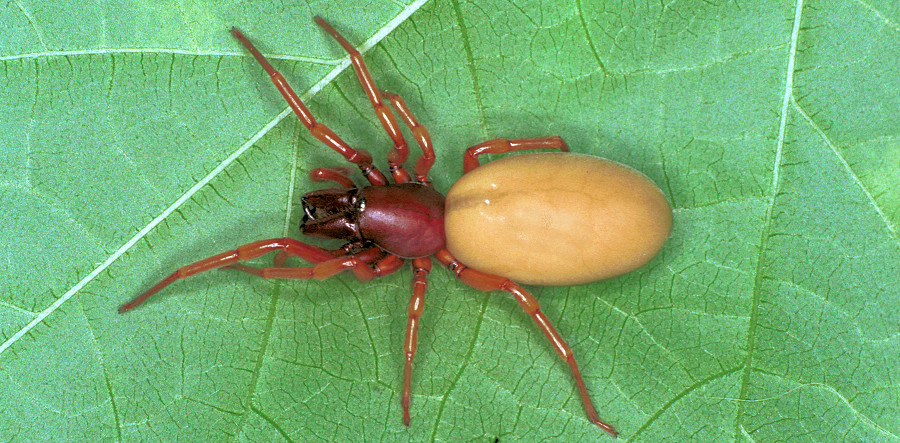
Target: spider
{"points": [[385, 224]]}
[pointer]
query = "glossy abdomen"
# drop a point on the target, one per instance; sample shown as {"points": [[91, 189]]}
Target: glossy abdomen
{"points": [[556, 218]]}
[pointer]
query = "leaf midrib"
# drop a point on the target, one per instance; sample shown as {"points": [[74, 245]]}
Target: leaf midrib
{"points": [[767, 225]]}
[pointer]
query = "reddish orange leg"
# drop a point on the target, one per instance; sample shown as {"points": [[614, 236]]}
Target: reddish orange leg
{"points": [[387, 265], [310, 253], [320, 271], [337, 175], [488, 282], [361, 158], [500, 145], [343, 251], [401, 151], [361, 269], [421, 268], [422, 137], [381, 262]]}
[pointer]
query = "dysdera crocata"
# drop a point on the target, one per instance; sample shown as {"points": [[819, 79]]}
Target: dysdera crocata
{"points": [[384, 224]]}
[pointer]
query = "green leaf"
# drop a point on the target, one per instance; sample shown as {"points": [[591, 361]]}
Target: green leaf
{"points": [[139, 138]]}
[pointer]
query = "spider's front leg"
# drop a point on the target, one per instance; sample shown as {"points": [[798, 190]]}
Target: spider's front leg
{"points": [[359, 157], [400, 152], [419, 132], [380, 262], [365, 265], [310, 253]]}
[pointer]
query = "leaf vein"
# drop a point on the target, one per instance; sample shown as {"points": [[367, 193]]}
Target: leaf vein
{"points": [[712, 62], [849, 169], [470, 63], [590, 41], [693, 387], [278, 428], [257, 368], [767, 224], [462, 367], [169, 51], [31, 22], [878, 14], [830, 389]]}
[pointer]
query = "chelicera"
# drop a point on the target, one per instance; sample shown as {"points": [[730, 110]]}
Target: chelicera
{"points": [[386, 223]]}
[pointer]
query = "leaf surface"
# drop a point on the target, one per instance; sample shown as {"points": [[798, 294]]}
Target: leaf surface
{"points": [[139, 138]]}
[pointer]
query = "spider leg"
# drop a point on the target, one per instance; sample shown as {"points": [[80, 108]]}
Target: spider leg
{"points": [[379, 264], [320, 271], [380, 261], [423, 165], [308, 252], [488, 282], [343, 251], [338, 175], [360, 158], [400, 152], [388, 265], [499, 145], [421, 268]]}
